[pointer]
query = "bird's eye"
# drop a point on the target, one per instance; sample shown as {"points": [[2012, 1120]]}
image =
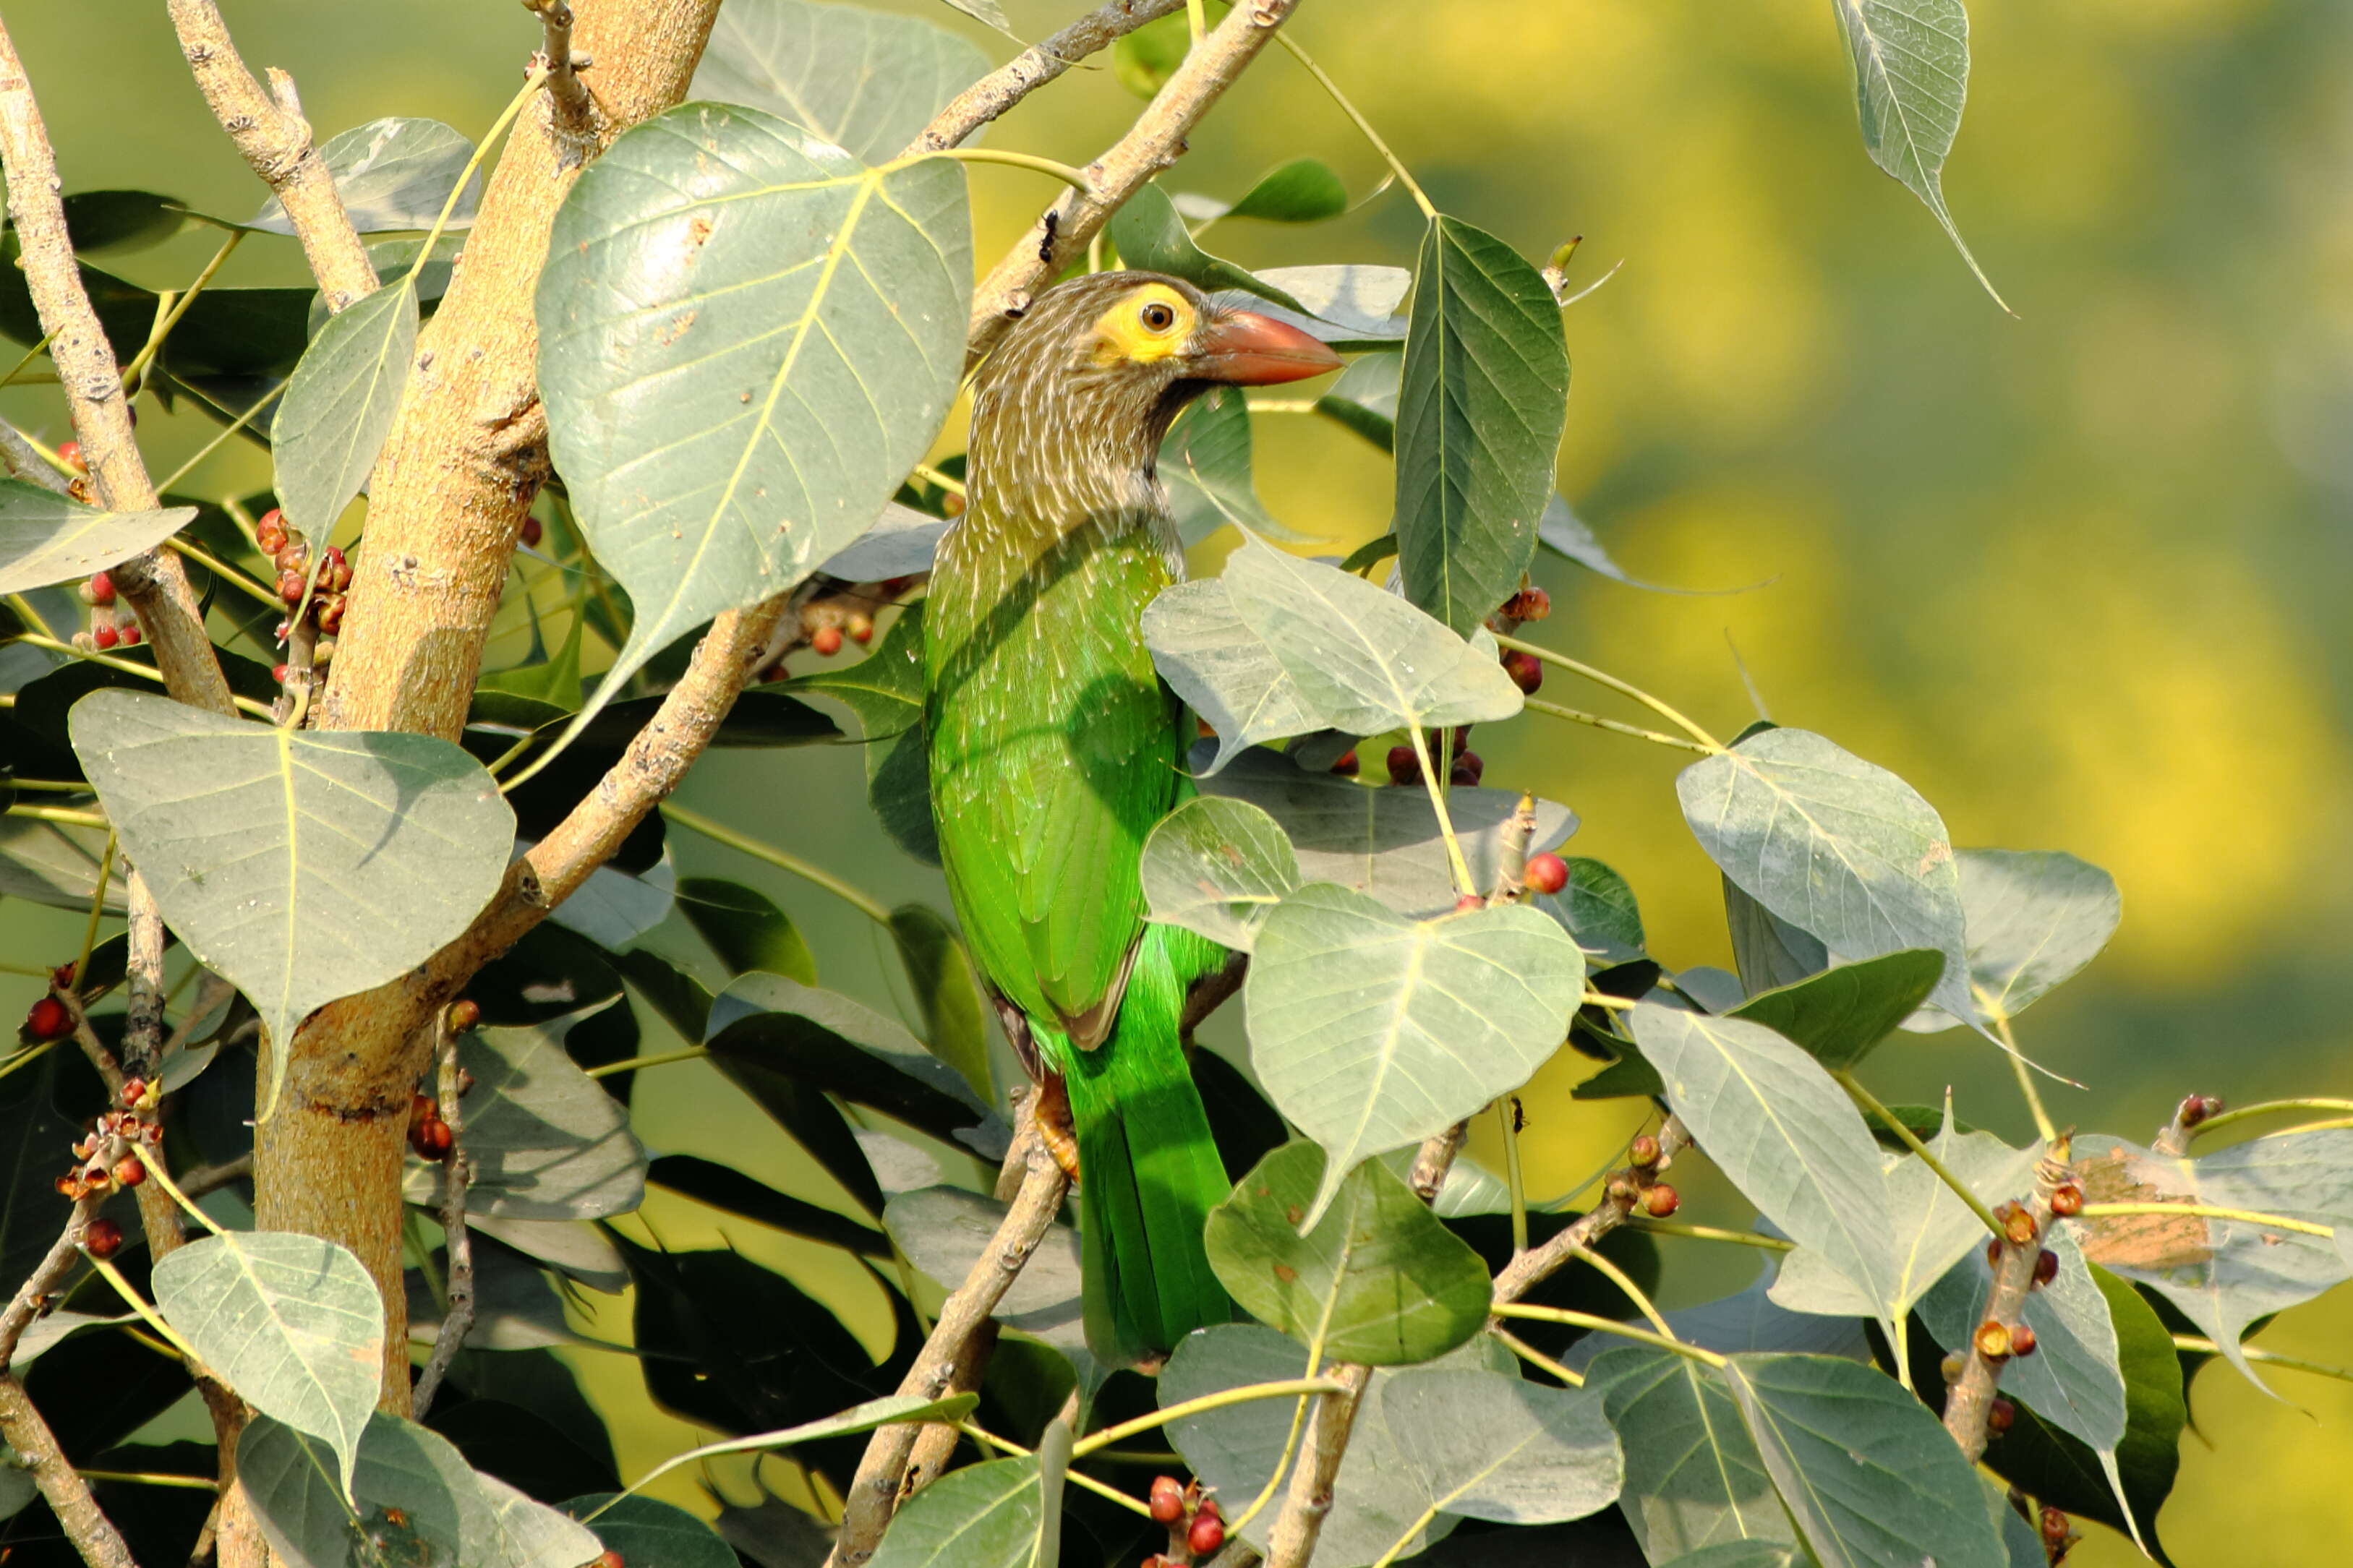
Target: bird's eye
{"points": [[1158, 316]]}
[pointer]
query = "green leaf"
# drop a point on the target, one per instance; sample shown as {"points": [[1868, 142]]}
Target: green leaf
{"points": [[614, 908], [983, 1516], [1382, 842], [1840, 1014], [747, 339], [723, 1187], [864, 81], [765, 1026], [1218, 866], [1235, 1449], [1565, 534], [652, 1534], [943, 1231], [1206, 463], [1304, 190], [578, 1250], [338, 406], [1362, 658], [746, 929], [901, 543], [1769, 951], [1145, 59], [1150, 237], [1776, 1125], [885, 688], [524, 1533], [297, 1496], [55, 864], [1868, 1474], [1364, 399], [2035, 918], [291, 1322], [121, 220], [1934, 1229], [45, 538], [392, 173], [1378, 1281], [947, 992], [303, 866], [2222, 1274], [1911, 75], [1481, 407], [1370, 1031], [1596, 907], [1487, 1446], [986, 12], [1841, 849], [1224, 670], [546, 1142], [1694, 1480]]}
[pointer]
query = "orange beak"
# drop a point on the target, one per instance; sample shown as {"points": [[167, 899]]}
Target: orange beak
{"points": [[1246, 349]]}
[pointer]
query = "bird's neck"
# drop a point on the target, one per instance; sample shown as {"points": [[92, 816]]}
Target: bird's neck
{"points": [[1056, 467]]}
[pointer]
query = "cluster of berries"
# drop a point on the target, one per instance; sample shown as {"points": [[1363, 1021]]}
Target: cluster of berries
{"points": [[1464, 765], [291, 554], [1638, 1187], [111, 624], [429, 1134], [108, 1161], [1196, 1529]]}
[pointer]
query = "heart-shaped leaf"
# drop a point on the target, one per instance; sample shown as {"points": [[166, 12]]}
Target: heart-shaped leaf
{"points": [[1486, 1445], [865, 81], [45, 538], [392, 173], [300, 865], [1378, 1281], [1836, 846], [1596, 907], [291, 1322], [291, 1482], [1484, 396], [1784, 1132], [1224, 671], [338, 406], [746, 339], [1218, 866], [1694, 1480], [2035, 918], [1371, 1031]]}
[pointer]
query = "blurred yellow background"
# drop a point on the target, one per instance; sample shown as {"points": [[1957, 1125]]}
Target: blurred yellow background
{"points": [[2080, 576]]}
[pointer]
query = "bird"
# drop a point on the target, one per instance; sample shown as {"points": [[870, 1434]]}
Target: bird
{"points": [[1053, 747]]}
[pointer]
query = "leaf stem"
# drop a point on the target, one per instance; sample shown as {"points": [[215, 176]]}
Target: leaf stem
{"points": [[164, 486], [1608, 1326], [719, 833], [2271, 1358], [59, 814], [531, 84], [1712, 1233], [2042, 1122], [1197, 17], [1438, 803], [154, 344], [1911, 1140], [154, 1479], [1508, 1112], [225, 572], [31, 354], [2267, 1107], [149, 1315], [661, 1058], [1363, 126], [1535, 1357], [2210, 1211], [98, 891], [1397, 1548], [1576, 716], [1283, 1389], [156, 1172], [1624, 1282], [1074, 178], [979, 1434], [933, 476], [145, 671], [1624, 689]]}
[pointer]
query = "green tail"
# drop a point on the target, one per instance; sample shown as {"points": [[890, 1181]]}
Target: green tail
{"points": [[1148, 1170]]}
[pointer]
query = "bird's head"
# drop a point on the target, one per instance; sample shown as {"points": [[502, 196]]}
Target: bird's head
{"points": [[1079, 393]]}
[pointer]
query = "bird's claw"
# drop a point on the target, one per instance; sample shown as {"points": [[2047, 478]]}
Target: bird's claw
{"points": [[1054, 1126]]}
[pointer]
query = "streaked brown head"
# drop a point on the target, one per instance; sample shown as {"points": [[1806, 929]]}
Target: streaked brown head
{"points": [[1071, 407]]}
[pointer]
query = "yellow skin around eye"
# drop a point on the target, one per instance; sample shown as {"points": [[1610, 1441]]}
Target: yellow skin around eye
{"points": [[1123, 333]]}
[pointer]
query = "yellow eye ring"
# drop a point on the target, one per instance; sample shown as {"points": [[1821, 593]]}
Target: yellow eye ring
{"points": [[1156, 316]]}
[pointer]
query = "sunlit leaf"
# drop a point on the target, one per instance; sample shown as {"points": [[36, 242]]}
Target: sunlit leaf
{"points": [[291, 1322], [865, 80], [614, 908], [1694, 1478], [746, 339], [1480, 411], [338, 406], [1596, 907], [2073, 1378], [1350, 306], [1768, 951], [1364, 399], [765, 1026], [392, 173], [1487, 1446], [300, 865], [1371, 1031], [1379, 1278], [1303, 190], [1218, 866], [983, 1516], [297, 1495], [1224, 670], [1836, 846], [1787, 1135], [943, 1231], [2035, 918], [45, 538], [901, 543], [1911, 76]]}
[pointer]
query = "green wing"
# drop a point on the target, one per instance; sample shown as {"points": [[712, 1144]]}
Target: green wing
{"points": [[1053, 751]]}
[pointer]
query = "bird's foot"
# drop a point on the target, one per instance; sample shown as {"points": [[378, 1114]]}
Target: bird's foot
{"points": [[1055, 1128]]}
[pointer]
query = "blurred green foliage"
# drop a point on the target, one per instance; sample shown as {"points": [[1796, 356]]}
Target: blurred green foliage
{"points": [[2079, 577]]}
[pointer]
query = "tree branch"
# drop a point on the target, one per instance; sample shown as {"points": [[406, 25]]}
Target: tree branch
{"points": [[275, 140], [1034, 67], [1151, 144], [154, 584], [1969, 1400], [1624, 1190], [575, 114], [458, 1322], [874, 1493]]}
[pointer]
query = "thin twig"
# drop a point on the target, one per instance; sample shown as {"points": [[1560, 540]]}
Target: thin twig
{"points": [[458, 1319], [274, 138], [1034, 67], [576, 111], [1154, 143], [1619, 1199], [874, 1493], [152, 582]]}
